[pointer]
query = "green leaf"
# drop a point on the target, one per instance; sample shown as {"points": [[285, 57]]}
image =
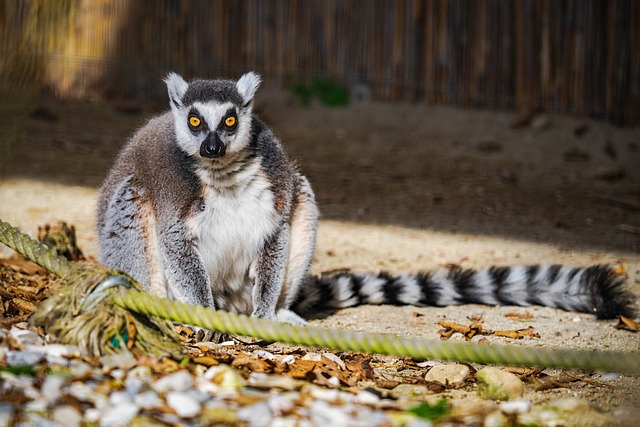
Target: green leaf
{"points": [[20, 370], [431, 412]]}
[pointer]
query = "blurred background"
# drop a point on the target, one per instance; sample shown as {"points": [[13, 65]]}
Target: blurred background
{"points": [[580, 57], [516, 119]]}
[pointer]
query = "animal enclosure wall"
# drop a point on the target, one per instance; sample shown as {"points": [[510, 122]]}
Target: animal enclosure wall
{"points": [[569, 56]]}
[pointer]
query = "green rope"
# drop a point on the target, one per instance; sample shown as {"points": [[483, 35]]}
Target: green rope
{"points": [[34, 251], [83, 312], [142, 302], [112, 298]]}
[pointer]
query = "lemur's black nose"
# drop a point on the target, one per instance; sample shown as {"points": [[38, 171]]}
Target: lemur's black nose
{"points": [[212, 147]]}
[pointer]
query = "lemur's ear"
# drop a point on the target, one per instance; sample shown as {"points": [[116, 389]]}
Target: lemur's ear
{"points": [[247, 86], [177, 87]]}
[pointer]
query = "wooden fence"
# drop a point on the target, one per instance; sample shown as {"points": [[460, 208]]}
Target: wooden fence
{"points": [[569, 56]]}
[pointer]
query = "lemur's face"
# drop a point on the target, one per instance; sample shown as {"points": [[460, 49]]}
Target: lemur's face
{"points": [[212, 117]]}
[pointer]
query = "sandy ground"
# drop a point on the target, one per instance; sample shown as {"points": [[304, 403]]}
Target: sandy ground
{"points": [[400, 187]]}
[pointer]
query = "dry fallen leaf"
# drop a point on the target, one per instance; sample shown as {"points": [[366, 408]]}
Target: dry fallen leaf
{"points": [[518, 316], [619, 270], [517, 333], [252, 364], [628, 324], [468, 331], [476, 328], [548, 382], [23, 305], [19, 264]]}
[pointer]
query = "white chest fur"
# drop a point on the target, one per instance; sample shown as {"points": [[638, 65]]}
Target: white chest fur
{"points": [[230, 234]]}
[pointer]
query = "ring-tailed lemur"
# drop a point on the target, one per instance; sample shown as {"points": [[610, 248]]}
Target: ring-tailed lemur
{"points": [[204, 206]]}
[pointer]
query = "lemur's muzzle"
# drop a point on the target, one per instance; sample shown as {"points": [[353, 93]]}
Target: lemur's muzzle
{"points": [[212, 147]]}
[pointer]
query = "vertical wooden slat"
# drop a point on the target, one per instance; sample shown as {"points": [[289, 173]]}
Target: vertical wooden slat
{"points": [[568, 56]]}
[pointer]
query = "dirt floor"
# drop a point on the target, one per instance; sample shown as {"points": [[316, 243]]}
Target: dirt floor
{"points": [[400, 187]]}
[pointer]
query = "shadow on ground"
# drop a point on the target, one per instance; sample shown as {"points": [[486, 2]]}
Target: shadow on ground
{"points": [[560, 180]]}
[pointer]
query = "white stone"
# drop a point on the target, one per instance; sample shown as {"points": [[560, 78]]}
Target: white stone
{"points": [[264, 381], [449, 374], [67, 415], [119, 397], [289, 359], [55, 350], [258, 414], [514, 407], [133, 385], [119, 415], [51, 388], [118, 361], [224, 377], [80, 369], [26, 337], [7, 413], [91, 415], [117, 374], [184, 404], [280, 404], [30, 358], [262, 354], [496, 384], [178, 381], [147, 400]]}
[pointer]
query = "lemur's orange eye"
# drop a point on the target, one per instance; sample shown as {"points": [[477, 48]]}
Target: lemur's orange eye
{"points": [[230, 121], [194, 121]]}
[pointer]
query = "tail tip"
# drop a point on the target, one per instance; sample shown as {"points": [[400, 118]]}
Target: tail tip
{"points": [[613, 298]]}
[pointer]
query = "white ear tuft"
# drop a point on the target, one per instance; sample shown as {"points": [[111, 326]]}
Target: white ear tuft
{"points": [[177, 88], [247, 86]]}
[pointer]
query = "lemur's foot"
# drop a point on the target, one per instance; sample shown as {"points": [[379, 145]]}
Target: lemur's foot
{"points": [[288, 316]]}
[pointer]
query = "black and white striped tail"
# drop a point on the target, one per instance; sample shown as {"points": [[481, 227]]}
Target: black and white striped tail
{"points": [[597, 289]]}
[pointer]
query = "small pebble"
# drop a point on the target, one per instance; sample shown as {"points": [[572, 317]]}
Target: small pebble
{"points": [[118, 361], [20, 358], [142, 372], [119, 397], [133, 385], [496, 384], [280, 404], [184, 404], [225, 377], [80, 369], [314, 357], [610, 376], [67, 415], [515, 407], [119, 415], [289, 359], [333, 382], [117, 374], [262, 354], [147, 400], [257, 415], [178, 381], [51, 389], [7, 413], [55, 350], [323, 414], [368, 397], [26, 337], [449, 374]]}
